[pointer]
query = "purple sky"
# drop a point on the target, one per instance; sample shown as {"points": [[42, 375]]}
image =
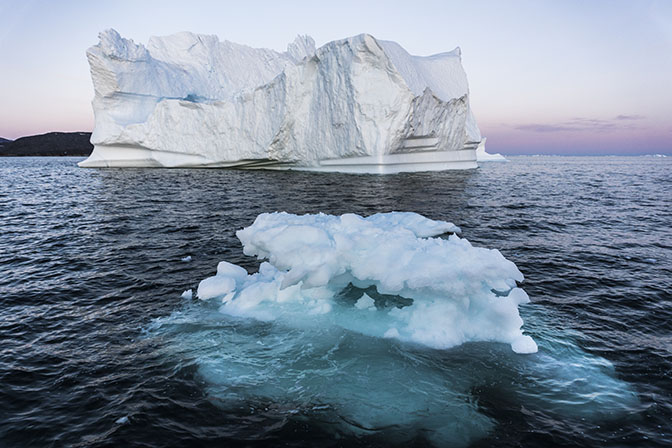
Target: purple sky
{"points": [[554, 77]]}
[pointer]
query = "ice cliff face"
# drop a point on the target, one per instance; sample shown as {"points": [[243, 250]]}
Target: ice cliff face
{"points": [[356, 104]]}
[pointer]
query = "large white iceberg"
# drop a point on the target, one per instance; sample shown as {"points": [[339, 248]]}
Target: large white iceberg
{"points": [[353, 105], [384, 276]]}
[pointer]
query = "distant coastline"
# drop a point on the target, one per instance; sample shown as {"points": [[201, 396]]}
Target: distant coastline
{"points": [[51, 144]]}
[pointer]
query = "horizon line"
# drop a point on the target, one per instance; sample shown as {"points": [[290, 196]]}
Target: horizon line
{"points": [[666, 152]]}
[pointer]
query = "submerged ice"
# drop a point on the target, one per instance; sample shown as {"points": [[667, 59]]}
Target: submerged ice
{"points": [[388, 275]]}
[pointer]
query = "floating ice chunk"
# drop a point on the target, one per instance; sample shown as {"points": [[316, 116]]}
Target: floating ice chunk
{"points": [[222, 284], [231, 270], [122, 420], [216, 286], [186, 259], [188, 294], [433, 291]]}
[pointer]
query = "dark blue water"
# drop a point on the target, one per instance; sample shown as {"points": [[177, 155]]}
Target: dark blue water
{"points": [[91, 277]]}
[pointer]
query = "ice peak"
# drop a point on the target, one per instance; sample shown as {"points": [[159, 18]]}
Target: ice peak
{"points": [[456, 52], [302, 47], [117, 47]]}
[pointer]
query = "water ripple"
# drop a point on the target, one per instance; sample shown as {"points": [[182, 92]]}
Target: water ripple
{"points": [[90, 259]]}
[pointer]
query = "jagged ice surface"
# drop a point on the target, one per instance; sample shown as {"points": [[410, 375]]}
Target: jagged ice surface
{"points": [[433, 291], [356, 104]]}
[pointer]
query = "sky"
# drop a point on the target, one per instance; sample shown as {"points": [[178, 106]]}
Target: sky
{"points": [[545, 77]]}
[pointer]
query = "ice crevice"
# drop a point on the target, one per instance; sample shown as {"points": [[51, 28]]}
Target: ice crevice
{"points": [[388, 275]]}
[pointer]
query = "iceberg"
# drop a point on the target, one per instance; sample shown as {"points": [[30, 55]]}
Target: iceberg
{"points": [[353, 105], [385, 276], [354, 327]]}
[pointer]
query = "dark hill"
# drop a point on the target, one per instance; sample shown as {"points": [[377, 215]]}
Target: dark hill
{"points": [[50, 144], [3, 142]]}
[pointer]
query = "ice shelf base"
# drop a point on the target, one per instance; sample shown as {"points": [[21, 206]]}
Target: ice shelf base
{"points": [[136, 157]]}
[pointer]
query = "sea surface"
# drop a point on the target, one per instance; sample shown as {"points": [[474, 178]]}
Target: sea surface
{"points": [[98, 348]]}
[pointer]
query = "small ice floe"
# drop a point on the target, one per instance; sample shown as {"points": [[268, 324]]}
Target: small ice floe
{"points": [[186, 259], [122, 421], [445, 286], [188, 294]]}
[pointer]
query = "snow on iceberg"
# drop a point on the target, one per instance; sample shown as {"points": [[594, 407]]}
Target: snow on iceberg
{"points": [[352, 105], [386, 276]]}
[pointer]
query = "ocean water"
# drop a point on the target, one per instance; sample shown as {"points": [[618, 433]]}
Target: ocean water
{"points": [[100, 349]]}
